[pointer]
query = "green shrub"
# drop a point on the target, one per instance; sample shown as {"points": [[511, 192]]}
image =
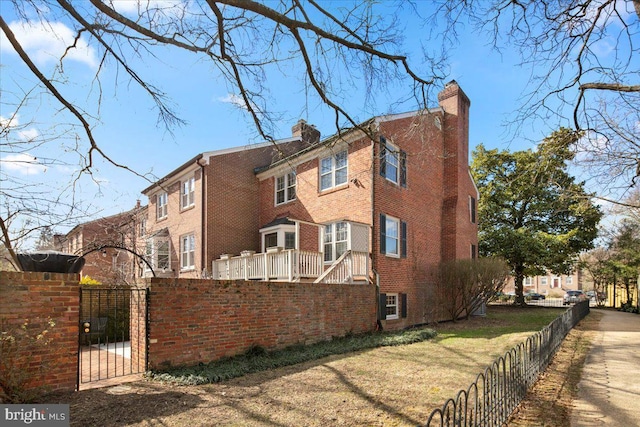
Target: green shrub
{"points": [[257, 359]]}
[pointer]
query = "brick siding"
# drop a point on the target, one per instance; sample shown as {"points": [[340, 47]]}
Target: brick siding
{"points": [[37, 297], [194, 321]]}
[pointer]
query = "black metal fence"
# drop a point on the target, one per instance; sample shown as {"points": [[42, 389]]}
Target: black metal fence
{"points": [[499, 389], [109, 332]]}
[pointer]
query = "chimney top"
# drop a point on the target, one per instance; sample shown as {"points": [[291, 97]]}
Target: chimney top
{"points": [[307, 132]]}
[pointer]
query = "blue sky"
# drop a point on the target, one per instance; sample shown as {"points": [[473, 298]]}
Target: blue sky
{"points": [[126, 124]]}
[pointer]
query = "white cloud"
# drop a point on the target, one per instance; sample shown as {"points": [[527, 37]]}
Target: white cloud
{"points": [[234, 99], [23, 163], [13, 123], [10, 122], [46, 42], [28, 134]]}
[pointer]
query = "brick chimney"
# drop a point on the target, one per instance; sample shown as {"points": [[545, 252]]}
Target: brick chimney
{"points": [[457, 184], [310, 135]]}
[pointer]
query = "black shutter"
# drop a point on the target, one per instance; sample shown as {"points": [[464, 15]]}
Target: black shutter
{"points": [[472, 202], [403, 168], [382, 302], [383, 234], [383, 155], [403, 308], [403, 239]]}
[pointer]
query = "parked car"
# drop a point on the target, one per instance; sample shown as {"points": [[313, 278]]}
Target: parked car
{"points": [[572, 297], [534, 296]]}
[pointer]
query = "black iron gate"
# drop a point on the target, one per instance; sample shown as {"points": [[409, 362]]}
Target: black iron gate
{"points": [[113, 333]]}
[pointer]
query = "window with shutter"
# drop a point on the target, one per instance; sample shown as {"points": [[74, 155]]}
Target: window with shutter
{"points": [[393, 163]]}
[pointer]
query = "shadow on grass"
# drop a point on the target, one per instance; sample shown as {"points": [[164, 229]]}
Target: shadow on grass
{"points": [[125, 404]]}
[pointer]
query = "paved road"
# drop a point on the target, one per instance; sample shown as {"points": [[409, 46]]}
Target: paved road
{"points": [[609, 391]]}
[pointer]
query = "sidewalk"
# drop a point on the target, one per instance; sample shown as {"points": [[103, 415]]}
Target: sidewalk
{"points": [[609, 391]]}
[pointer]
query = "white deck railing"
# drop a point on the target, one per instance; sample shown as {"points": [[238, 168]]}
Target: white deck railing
{"points": [[352, 266], [290, 265]]}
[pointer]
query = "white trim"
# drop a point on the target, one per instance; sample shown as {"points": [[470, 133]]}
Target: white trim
{"points": [[397, 306], [399, 116], [165, 205], [280, 231], [190, 254], [287, 186], [317, 153], [398, 237], [191, 196], [333, 171], [395, 151]]}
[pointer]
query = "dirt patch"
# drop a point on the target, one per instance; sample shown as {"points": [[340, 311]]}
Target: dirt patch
{"points": [[549, 401]]}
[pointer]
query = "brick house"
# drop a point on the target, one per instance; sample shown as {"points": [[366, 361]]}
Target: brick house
{"points": [[108, 245], [382, 203], [208, 206]]}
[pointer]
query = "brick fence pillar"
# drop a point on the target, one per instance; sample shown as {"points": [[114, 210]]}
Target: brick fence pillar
{"points": [[41, 312]]}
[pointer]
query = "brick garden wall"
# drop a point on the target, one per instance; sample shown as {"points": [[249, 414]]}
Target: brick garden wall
{"points": [[34, 298], [192, 320]]}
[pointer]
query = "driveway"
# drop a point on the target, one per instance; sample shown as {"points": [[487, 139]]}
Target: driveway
{"points": [[609, 391]]}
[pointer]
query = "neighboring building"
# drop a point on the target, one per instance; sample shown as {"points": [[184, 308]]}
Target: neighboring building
{"points": [[109, 246], [383, 202], [550, 284]]}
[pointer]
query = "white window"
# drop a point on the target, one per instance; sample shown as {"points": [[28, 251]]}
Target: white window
{"points": [[393, 237], [569, 280], [543, 281], [393, 163], [528, 281], [335, 240], [289, 240], [143, 227], [391, 308], [162, 206], [271, 240], [285, 188], [333, 171], [188, 252], [158, 254], [187, 193]]}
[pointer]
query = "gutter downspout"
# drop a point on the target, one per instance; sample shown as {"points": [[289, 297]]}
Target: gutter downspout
{"points": [[373, 235], [203, 216]]}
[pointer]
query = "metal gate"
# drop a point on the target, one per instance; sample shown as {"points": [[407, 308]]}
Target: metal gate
{"points": [[113, 333]]}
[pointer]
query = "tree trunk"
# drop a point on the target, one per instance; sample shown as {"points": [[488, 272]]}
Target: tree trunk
{"points": [[518, 282]]}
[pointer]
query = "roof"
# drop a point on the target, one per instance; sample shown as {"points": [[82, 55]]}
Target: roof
{"points": [[340, 135], [205, 155], [278, 221]]}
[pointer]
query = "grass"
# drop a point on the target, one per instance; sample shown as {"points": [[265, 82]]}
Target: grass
{"points": [[257, 359], [389, 379]]}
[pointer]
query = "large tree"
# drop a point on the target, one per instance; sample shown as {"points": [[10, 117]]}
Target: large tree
{"points": [[583, 59], [532, 212]]}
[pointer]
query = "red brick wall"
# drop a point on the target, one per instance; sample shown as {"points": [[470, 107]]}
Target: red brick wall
{"points": [[351, 201], [37, 297], [195, 321], [420, 206], [233, 200]]}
